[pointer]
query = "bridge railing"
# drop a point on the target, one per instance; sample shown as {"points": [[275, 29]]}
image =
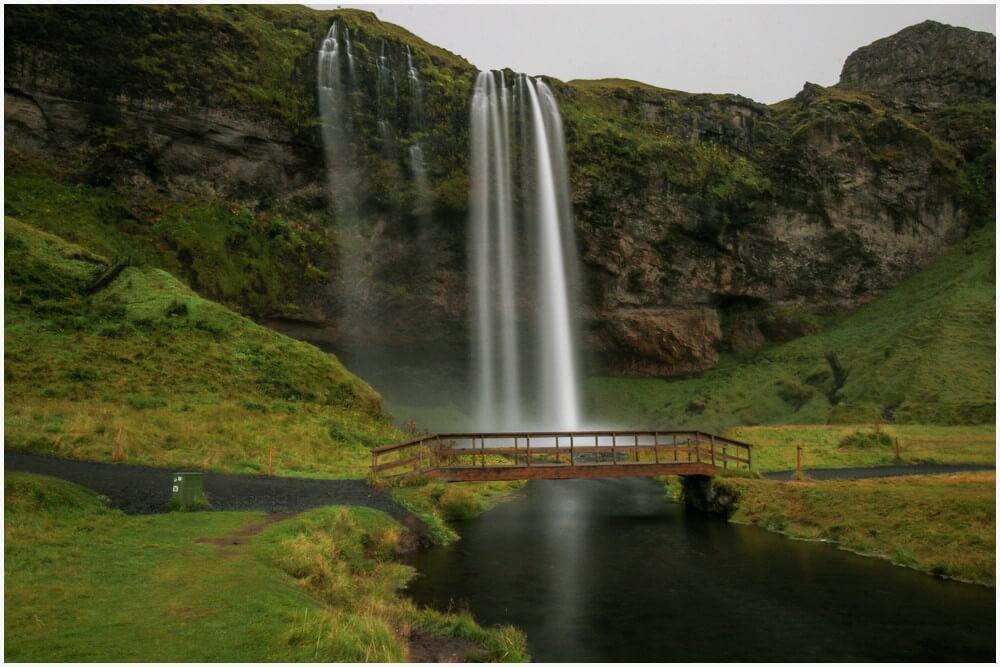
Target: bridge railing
{"points": [[577, 448]]}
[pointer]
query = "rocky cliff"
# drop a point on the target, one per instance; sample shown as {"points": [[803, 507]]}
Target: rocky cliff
{"points": [[706, 222]]}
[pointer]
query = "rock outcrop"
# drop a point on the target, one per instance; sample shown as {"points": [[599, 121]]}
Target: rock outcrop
{"points": [[925, 66]]}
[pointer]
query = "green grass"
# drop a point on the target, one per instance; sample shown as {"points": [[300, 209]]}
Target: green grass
{"points": [[942, 524], [823, 446], [191, 382], [84, 583], [922, 353]]}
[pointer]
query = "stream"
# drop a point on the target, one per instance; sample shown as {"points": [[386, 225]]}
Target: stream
{"points": [[613, 571]]}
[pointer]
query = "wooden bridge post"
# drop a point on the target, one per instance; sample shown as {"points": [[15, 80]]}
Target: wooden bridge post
{"points": [[527, 448], [572, 457], [557, 449], [482, 451], [673, 443], [711, 445], [515, 451], [656, 446], [636, 438], [697, 446], [725, 458], [614, 449]]}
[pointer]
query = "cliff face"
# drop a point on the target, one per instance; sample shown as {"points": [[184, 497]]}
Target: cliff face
{"points": [[705, 222]]}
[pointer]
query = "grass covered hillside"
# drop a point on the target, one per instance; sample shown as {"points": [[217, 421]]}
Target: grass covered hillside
{"points": [[190, 382], [922, 353]]}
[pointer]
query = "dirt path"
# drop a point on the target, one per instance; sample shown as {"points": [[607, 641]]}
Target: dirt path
{"points": [[146, 490], [882, 471]]}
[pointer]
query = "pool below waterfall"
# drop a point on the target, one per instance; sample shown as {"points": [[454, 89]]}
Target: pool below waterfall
{"points": [[612, 571]]}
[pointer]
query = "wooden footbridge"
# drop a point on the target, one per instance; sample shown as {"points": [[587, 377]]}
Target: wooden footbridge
{"points": [[457, 457]]}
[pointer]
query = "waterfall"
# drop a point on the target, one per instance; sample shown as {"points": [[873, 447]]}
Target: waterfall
{"points": [[336, 79], [381, 80], [419, 171], [542, 274], [413, 74]]}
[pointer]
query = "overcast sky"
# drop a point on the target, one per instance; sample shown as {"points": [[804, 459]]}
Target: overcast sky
{"points": [[765, 52]]}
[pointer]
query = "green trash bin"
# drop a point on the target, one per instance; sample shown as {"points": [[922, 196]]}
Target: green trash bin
{"points": [[187, 489]]}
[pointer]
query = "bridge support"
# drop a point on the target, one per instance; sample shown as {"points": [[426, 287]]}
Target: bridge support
{"points": [[709, 494]]}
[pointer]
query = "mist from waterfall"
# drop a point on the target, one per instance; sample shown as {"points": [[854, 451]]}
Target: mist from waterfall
{"points": [[522, 256]]}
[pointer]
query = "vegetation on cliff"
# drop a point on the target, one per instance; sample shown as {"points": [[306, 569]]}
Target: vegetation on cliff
{"points": [[924, 353], [257, 262], [322, 586]]}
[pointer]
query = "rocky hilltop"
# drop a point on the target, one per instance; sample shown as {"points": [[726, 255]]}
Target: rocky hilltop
{"points": [[706, 222], [925, 66]]}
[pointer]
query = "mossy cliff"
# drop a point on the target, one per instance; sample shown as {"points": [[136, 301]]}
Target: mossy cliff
{"points": [[706, 222]]}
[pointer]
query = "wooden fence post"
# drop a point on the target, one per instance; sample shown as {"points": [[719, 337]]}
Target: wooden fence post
{"points": [[798, 458], [117, 452]]}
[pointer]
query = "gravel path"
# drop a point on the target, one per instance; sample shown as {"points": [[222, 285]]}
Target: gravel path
{"points": [[883, 471], [146, 490]]}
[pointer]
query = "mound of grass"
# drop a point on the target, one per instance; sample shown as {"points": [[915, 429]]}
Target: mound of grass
{"points": [[84, 583], [924, 353], [191, 382], [941, 524], [865, 440], [437, 503]]}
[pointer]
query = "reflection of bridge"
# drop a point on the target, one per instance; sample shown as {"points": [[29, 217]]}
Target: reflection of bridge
{"points": [[456, 457]]}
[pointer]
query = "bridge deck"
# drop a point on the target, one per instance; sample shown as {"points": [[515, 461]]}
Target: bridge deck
{"points": [[457, 457]]}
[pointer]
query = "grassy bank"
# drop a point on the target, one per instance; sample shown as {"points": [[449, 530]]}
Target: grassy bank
{"points": [[84, 583], [923, 353], [189, 382], [854, 445], [438, 503], [941, 524]]}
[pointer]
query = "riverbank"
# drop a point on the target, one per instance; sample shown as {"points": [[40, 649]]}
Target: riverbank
{"points": [[323, 586], [944, 525], [439, 503]]}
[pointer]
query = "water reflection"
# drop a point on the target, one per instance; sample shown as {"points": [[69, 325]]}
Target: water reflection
{"points": [[607, 570]]}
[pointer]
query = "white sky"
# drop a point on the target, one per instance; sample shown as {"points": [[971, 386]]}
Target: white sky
{"points": [[765, 52]]}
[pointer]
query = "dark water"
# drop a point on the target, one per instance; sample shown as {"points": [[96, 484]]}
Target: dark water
{"points": [[609, 571]]}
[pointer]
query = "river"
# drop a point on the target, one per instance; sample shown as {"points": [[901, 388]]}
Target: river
{"points": [[612, 571]]}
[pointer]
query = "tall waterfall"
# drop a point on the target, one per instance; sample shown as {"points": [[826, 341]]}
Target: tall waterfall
{"points": [[521, 257]]}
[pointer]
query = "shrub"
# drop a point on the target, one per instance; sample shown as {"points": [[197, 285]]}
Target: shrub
{"points": [[460, 503], [863, 440]]}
